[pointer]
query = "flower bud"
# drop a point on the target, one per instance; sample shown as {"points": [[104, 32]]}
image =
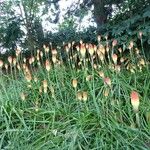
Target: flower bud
{"points": [[74, 83], [135, 100]]}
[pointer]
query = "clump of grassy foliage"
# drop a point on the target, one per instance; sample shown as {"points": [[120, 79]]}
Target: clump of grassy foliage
{"points": [[76, 98]]}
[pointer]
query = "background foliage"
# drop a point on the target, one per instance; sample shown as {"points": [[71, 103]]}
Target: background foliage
{"points": [[123, 21]]}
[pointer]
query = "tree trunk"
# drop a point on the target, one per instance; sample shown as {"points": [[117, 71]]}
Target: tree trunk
{"points": [[28, 24], [99, 12]]}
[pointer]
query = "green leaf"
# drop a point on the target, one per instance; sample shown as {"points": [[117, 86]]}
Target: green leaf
{"points": [[146, 14]]}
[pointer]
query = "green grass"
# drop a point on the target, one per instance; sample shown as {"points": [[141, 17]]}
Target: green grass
{"points": [[58, 120]]}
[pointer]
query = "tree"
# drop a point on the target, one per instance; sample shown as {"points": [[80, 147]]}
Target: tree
{"points": [[26, 14], [102, 9]]}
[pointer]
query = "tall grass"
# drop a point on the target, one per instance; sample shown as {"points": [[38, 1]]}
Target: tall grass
{"points": [[80, 100]]}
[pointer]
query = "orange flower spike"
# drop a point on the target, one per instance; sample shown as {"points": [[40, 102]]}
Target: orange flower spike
{"points": [[91, 49], [135, 101], [47, 65], [114, 58], [114, 43], [107, 81]]}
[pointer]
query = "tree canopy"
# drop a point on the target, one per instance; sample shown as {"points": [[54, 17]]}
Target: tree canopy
{"points": [[22, 21]]}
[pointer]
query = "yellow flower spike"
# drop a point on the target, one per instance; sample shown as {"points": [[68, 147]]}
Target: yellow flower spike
{"points": [[95, 66], [66, 48], [98, 38], [18, 51], [52, 91], [24, 60], [54, 52], [101, 74], [84, 96], [6, 66], [54, 59], [95, 48], [18, 67], [137, 51], [79, 95], [140, 34], [81, 42], [82, 50], [74, 83], [30, 61], [37, 57], [23, 96], [107, 49], [101, 57], [77, 48], [46, 48], [120, 50], [91, 50], [41, 54], [40, 89], [14, 61], [131, 45], [101, 48], [10, 59], [1, 63], [89, 77], [29, 86], [45, 85], [36, 106], [35, 79], [142, 62], [106, 92], [38, 51], [121, 59], [117, 68], [28, 76]]}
